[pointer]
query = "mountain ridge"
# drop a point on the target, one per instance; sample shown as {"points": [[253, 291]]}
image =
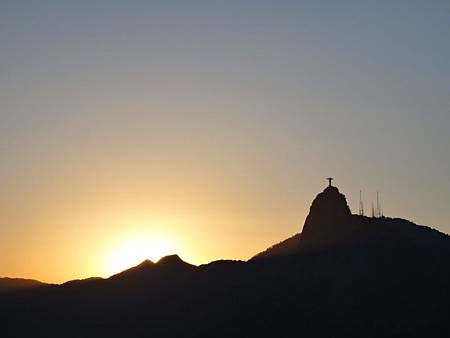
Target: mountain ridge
{"points": [[8, 284], [344, 276]]}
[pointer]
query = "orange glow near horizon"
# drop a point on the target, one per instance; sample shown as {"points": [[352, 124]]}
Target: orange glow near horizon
{"points": [[99, 236], [134, 249]]}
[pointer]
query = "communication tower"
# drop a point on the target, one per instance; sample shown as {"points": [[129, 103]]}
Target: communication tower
{"points": [[361, 205]]}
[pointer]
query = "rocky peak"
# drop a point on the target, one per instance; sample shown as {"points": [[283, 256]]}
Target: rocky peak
{"points": [[329, 205], [328, 212]]}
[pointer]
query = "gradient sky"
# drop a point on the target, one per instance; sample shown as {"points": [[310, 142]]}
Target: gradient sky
{"points": [[211, 125]]}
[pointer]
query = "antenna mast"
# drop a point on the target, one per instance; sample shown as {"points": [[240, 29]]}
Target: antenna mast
{"points": [[361, 205], [378, 205]]}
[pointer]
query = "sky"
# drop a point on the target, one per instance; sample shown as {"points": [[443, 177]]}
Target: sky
{"points": [[134, 129]]}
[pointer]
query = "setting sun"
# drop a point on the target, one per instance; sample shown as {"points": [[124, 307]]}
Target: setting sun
{"points": [[137, 248]]}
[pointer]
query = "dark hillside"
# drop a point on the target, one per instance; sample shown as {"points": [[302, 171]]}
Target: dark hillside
{"points": [[343, 276]]}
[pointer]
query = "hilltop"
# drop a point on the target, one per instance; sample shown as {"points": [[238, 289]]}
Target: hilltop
{"points": [[331, 225]]}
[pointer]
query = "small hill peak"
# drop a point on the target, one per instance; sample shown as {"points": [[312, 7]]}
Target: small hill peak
{"points": [[171, 260], [145, 263], [173, 263]]}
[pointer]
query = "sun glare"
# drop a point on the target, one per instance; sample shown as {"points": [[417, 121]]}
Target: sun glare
{"points": [[133, 250]]}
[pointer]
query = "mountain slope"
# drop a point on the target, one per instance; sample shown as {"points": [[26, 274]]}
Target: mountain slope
{"points": [[12, 284]]}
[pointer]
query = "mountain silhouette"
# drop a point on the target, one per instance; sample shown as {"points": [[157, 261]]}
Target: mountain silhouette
{"points": [[344, 275], [146, 274], [13, 284], [330, 224]]}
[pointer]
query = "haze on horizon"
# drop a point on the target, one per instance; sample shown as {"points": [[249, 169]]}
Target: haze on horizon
{"points": [[206, 128]]}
